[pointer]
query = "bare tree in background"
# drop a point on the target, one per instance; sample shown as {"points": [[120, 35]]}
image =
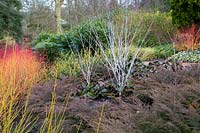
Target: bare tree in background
{"points": [[38, 17], [48, 15]]}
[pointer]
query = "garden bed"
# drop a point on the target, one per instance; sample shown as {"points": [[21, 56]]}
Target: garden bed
{"points": [[165, 102]]}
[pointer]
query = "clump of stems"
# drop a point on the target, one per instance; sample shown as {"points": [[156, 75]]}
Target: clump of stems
{"points": [[117, 53], [19, 70], [87, 59]]}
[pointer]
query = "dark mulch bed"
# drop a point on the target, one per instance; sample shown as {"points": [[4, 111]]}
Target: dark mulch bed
{"points": [[165, 102]]}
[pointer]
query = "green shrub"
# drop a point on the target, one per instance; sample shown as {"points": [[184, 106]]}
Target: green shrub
{"points": [[43, 36], [185, 12], [11, 19], [157, 52], [67, 65], [164, 51], [84, 33], [160, 31], [187, 56], [53, 44], [161, 28], [147, 54], [49, 49]]}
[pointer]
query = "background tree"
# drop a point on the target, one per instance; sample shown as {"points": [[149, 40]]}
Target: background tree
{"points": [[61, 15], [185, 12], [39, 16], [58, 4], [10, 19]]}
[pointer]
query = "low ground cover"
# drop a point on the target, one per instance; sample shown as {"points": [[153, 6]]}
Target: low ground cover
{"points": [[167, 101], [187, 56]]}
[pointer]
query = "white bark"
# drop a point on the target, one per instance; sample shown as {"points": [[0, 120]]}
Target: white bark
{"points": [[120, 60]]}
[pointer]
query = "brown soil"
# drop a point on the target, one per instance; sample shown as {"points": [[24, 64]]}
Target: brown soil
{"points": [[166, 102]]}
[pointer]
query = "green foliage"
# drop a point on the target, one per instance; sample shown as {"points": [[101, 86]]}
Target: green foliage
{"points": [[147, 54], [157, 52], [164, 51], [50, 45], [97, 91], [160, 31], [10, 19], [161, 28], [70, 40], [187, 56], [67, 65], [84, 33], [49, 49], [185, 12], [41, 38]]}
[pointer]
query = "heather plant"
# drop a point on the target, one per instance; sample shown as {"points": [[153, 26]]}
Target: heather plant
{"points": [[176, 106]]}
